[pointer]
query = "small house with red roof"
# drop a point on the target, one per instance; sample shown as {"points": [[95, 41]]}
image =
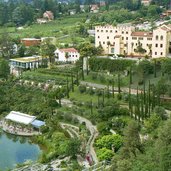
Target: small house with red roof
{"points": [[67, 55]]}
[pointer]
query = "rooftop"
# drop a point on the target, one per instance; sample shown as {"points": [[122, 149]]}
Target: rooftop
{"points": [[20, 117], [27, 59], [30, 39], [68, 50], [37, 123], [142, 34]]}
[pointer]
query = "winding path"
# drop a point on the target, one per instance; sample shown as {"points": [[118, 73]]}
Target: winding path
{"points": [[94, 133]]}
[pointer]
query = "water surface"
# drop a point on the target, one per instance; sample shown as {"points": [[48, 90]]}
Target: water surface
{"points": [[15, 149]]}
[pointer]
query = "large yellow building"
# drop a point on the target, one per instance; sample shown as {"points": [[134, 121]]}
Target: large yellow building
{"points": [[124, 39]]}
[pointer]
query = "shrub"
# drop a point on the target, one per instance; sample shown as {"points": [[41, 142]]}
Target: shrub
{"points": [[94, 76], [82, 89], [90, 91]]}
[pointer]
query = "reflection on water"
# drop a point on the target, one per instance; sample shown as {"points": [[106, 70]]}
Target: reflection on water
{"points": [[15, 149]]}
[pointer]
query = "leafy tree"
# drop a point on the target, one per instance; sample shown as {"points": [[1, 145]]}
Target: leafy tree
{"points": [[4, 69], [73, 148], [110, 142], [6, 46], [161, 87], [47, 50], [152, 123], [163, 144], [165, 67], [132, 142], [160, 111], [21, 50], [105, 154], [144, 68]]}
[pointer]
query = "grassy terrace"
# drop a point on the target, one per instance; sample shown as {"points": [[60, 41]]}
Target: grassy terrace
{"points": [[63, 28], [41, 77]]}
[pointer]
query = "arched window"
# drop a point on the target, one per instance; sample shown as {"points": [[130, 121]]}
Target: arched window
{"points": [[161, 37], [157, 37]]}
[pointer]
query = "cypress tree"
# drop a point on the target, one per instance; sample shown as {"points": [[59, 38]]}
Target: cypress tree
{"points": [[130, 75], [103, 97], [67, 88], [108, 92], [155, 74], [82, 68], [77, 78], [130, 101], [149, 98], [153, 97], [72, 82], [138, 106], [113, 89], [87, 71], [144, 97], [119, 83], [91, 107], [142, 106], [98, 100]]}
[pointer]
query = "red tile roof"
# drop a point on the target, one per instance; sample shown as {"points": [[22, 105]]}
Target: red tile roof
{"points": [[142, 34], [69, 50]]}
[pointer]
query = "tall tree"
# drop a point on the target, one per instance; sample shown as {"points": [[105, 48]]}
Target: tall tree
{"points": [[47, 50], [132, 140]]}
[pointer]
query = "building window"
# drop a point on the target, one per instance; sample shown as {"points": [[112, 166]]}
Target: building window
{"points": [[107, 37], [161, 53], [134, 38], [103, 42], [122, 38], [76, 56], [110, 31], [99, 42], [98, 37], [149, 38], [156, 45], [161, 37], [112, 50], [126, 32], [140, 38], [72, 55], [126, 38], [97, 30], [101, 30], [122, 32], [157, 37], [106, 31], [161, 45], [155, 53], [116, 31]]}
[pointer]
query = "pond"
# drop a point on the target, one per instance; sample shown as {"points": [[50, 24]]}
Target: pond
{"points": [[15, 149]]}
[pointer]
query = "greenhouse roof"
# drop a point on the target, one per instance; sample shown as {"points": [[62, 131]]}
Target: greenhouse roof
{"points": [[20, 117]]}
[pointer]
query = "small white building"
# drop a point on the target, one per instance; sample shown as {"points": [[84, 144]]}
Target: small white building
{"points": [[17, 65], [67, 55]]}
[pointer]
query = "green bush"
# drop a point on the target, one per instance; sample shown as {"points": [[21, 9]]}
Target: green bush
{"points": [[82, 89]]}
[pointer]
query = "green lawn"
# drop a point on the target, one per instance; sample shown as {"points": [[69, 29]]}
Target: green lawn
{"points": [[41, 77], [58, 28]]}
